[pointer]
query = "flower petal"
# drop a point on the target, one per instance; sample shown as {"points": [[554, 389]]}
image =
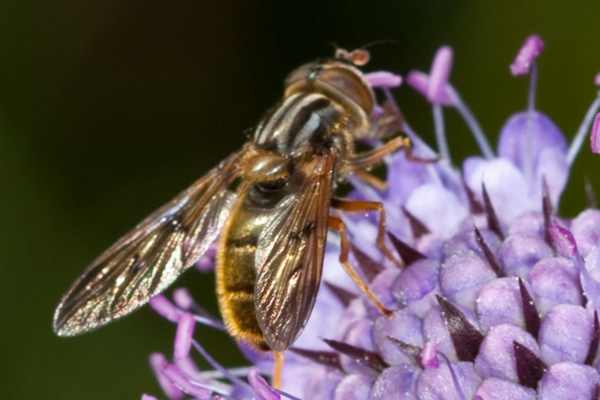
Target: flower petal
{"points": [[382, 287], [498, 389], [401, 326], [554, 281], [439, 384], [565, 334], [499, 302], [568, 381], [496, 358], [507, 188], [359, 335], [523, 138], [261, 388], [404, 177], [586, 230], [529, 224], [461, 277], [353, 387], [519, 253], [397, 382], [552, 169], [417, 285], [438, 208]]}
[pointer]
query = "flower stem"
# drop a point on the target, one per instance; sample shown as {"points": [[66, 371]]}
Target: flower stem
{"points": [[440, 132], [215, 365], [582, 131], [533, 78], [474, 126]]}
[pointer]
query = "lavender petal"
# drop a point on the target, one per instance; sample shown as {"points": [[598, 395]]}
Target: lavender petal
{"points": [[397, 382], [438, 383], [499, 302], [586, 230], [554, 281], [496, 358], [353, 387], [566, 334], [424, 203], [520, 252], [461, 277], [401, 326], [416, 286], [498, 389], [568, 381], [525, 135]]}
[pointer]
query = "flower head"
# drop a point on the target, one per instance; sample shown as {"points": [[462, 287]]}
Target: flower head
{"points": [[498, 297]]}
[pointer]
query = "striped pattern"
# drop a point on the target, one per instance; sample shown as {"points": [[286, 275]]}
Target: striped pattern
{"points": [[298, 119]]}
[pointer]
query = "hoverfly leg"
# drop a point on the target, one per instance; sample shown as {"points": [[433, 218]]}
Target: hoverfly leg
{"points": [[411, 156], [371, 180], [372, 157], [277, 369], [366, 206], [338, 225]]}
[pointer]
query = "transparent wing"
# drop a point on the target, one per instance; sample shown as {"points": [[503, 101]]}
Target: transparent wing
{"points": [[289, 256], [151, 256]]}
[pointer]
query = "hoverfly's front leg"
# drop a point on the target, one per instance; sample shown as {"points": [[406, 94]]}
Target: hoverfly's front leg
{"points": [[372, 157], [338, 225], [369, 158], [366, 206]]}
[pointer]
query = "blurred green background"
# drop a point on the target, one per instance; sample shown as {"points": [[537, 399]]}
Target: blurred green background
{"points": [[108, 108]]}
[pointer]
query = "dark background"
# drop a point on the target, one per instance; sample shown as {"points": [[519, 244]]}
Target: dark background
{"points": [[108, 108]]}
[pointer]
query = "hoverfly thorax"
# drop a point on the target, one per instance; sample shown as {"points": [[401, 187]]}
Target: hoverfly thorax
{"points": [[341, 81]]}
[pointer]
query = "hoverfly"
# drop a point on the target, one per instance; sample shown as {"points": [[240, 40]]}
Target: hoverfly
{"points": [[272, 227]]}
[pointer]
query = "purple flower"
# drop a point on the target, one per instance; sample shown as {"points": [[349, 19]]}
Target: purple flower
{"points": [[498, 298]]}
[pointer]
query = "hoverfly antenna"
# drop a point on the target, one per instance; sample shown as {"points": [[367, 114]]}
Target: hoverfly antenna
{"points": [[378, 42], [358, 57]]}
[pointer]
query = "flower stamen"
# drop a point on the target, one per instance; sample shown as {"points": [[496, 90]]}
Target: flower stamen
{"points": [[582, 131], [440, 133], [383, 80], [595, 136]]}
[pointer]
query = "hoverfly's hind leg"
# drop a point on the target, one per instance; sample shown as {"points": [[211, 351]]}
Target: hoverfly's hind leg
{"points": [[338, 225], [366, 206], [277, 369]]}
